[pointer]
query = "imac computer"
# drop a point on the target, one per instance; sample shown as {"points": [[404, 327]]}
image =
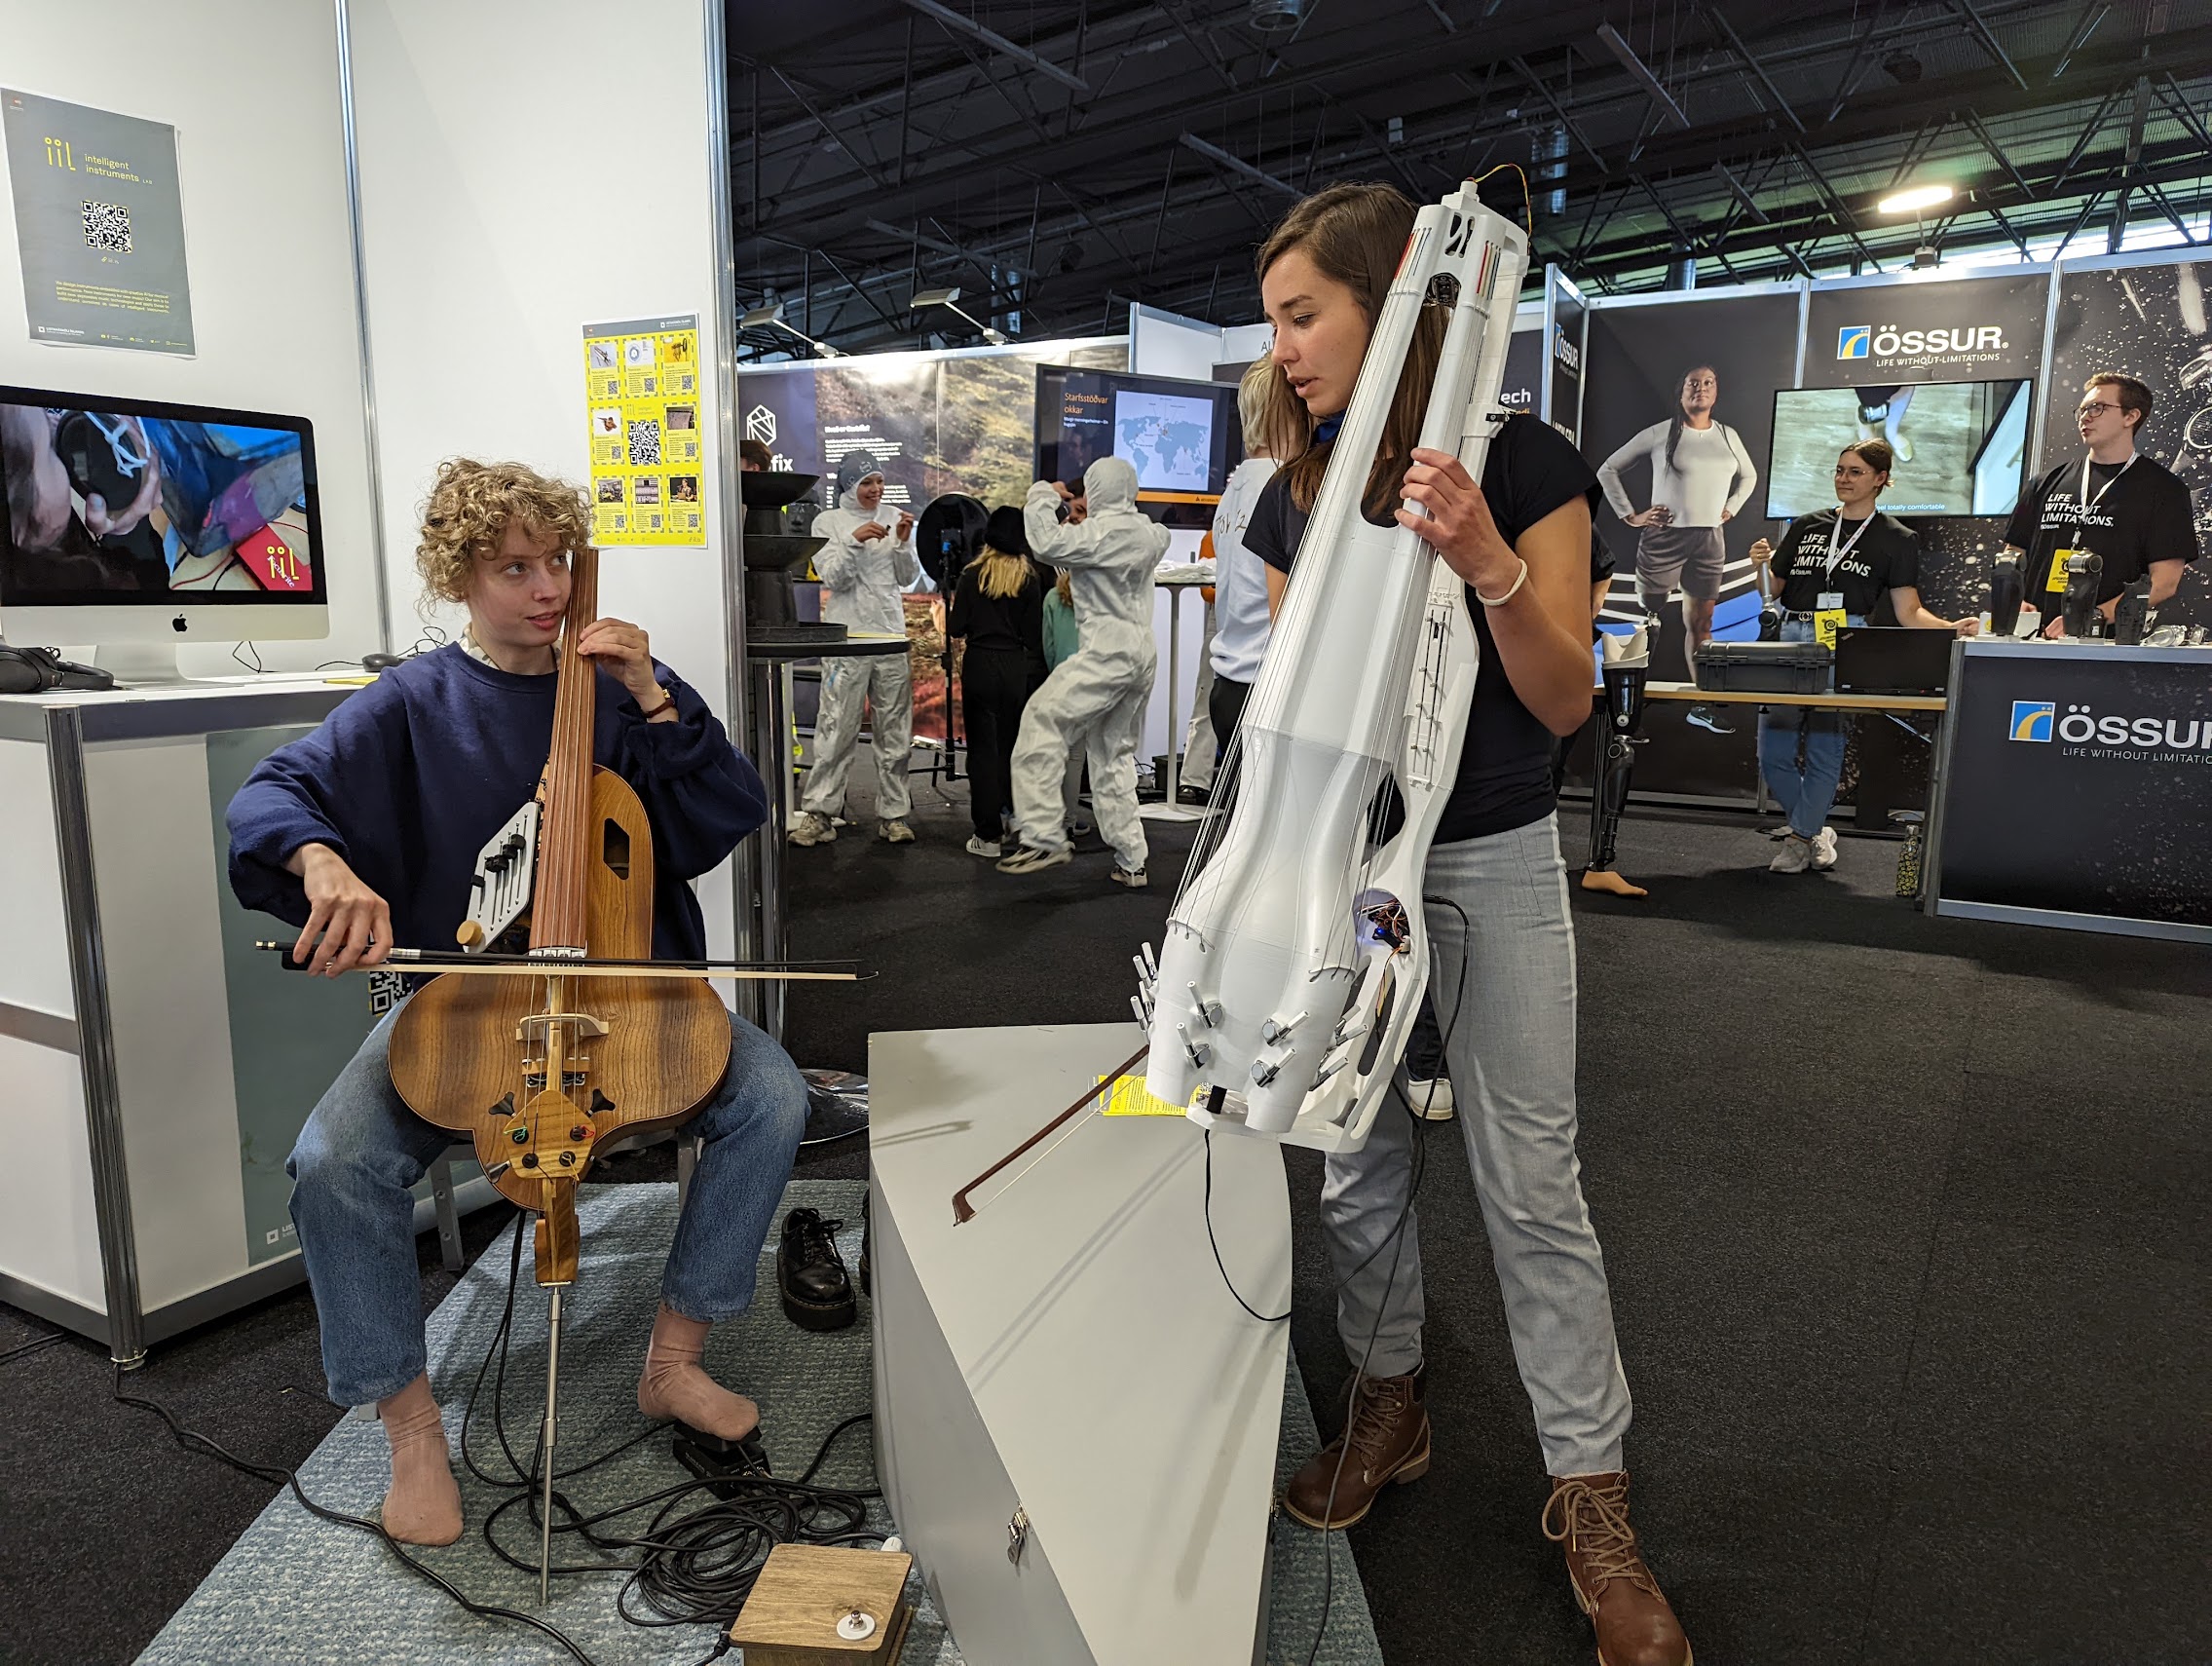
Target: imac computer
{"points": [[134, 525]]}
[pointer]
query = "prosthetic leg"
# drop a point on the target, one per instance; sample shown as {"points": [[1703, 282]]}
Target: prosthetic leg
{"points": [[1628, 662], [2079, 605], [2006, 595]]}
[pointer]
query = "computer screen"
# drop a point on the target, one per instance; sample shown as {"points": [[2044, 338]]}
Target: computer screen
{"points": [[1962, 447], [1182, 438], [117, 502]]}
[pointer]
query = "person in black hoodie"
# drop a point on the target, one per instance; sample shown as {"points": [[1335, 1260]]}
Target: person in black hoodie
{"points": [[998, 606]]}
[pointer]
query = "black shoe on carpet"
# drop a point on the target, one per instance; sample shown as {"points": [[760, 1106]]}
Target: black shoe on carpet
{"points": [[817, 1293]]}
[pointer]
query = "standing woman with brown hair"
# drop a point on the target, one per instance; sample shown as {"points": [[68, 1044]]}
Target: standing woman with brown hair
{"points": [[1501, 936]]}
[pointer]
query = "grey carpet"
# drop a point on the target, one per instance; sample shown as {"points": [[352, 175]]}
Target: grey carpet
{"points": [[297, 1591]]}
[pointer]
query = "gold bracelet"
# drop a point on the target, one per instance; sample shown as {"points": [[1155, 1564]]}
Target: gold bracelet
{"points": [[1512, 589]]}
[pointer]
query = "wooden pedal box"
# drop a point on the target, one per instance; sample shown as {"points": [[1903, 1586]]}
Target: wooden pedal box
{"points": [[805, 1590]]}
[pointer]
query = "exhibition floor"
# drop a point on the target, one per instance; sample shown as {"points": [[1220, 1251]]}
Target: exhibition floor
{"points": [[1907, 1249]]}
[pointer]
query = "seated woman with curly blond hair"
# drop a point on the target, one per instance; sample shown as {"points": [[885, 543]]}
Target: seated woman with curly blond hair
{"points": [[365, 833]]}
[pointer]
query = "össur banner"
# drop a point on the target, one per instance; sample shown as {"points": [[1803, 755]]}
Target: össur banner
{"points": [[1960, 330], [2071, 779], [1943, 369], [1677, 416], [1564, 361]]}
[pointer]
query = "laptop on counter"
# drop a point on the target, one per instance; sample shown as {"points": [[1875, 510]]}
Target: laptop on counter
{"points": [[1892, 660]]}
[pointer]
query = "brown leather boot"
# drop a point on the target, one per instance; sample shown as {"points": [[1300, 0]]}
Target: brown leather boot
{"points": [[1385, 1439], [1634, 1625]]}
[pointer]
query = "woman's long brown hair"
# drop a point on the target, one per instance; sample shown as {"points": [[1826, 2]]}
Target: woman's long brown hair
{"points": [[1356, 235]]}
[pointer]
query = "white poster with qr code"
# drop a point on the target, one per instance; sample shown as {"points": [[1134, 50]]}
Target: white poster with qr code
{"points": [[100, 220], [642, 411]]}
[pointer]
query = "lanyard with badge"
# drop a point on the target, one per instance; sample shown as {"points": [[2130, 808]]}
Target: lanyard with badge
{"points": [[2059, 557], [1828, 614]]}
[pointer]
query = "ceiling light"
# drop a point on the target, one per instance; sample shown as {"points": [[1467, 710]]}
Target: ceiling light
{"points": [[945, 299], [1915, 200], [761, 318]]}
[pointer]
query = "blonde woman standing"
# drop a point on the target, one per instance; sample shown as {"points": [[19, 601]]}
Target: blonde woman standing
{"points": [[998, 607]]}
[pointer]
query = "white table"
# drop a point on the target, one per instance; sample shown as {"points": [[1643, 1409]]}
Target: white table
{"points": [[1070, 1360], [1176, 579]]}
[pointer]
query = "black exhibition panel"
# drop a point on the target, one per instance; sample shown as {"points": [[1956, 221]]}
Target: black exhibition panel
{"points": [[2075, 784]]}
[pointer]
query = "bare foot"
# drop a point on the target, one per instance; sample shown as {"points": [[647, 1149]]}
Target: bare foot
{"points": [[424, 1506], [1605, 879], [675, 1385]]}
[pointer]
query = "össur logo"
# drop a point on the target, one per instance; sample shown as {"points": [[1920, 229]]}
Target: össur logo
{"points": [[2083, 729], [1564, 350], [1943, 342]]}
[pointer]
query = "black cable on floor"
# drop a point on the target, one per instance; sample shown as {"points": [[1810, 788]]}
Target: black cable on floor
{"points": [[21, 1349], [689, 1568], [192, 1441]]}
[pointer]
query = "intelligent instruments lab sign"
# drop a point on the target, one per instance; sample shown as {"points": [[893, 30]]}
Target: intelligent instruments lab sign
{"points": [[99, 219]]}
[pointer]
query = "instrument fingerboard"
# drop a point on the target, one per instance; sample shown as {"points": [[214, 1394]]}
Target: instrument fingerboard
{"points": [[557, 913]]}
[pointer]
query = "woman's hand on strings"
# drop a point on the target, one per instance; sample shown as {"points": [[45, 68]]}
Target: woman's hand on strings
{"points": [[1458, 524], [351, 922], [624, 650]]}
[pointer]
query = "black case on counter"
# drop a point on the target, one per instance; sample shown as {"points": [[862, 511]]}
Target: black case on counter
{"points": [[1765, 667]]}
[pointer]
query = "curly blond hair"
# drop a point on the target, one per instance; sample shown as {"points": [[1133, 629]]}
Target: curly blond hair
{"points": [[469, 509]]}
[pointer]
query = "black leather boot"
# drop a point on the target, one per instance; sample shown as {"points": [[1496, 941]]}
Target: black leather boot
{"points": [[817, 1293]]}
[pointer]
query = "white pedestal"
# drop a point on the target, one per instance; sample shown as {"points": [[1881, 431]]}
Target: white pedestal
{"points": [[1073, 1354]]}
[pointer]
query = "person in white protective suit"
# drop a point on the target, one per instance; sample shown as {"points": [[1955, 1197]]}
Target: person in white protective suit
{"points": [[1101, 692], [866, 562]]}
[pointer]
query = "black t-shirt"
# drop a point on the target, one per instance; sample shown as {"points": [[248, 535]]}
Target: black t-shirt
{"points": [[1012, 624], [2140, 514], [1885, 557], [1505, 765]]}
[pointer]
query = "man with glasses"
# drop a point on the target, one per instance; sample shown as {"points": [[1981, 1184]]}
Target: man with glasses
{"points": [[2113, 502]]}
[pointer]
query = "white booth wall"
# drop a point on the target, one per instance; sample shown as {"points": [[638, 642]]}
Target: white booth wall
{"points": [[252, 91], [482, 274]]}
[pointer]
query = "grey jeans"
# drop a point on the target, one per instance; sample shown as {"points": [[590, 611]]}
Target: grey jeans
{"points": [[1510, 1050]]}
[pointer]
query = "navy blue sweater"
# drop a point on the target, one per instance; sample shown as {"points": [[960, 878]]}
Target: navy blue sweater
{"points": [[410, 776]]}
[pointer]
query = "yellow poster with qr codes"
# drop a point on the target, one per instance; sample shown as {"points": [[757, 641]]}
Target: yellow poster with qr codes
{"points": [[641, 383], [1129, 1097]]}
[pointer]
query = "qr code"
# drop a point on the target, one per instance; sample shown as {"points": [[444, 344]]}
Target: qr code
{"points": [[107, 225], [645, 442]]}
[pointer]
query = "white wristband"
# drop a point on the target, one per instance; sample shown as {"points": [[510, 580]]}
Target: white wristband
{"points": [[1513, 589]]}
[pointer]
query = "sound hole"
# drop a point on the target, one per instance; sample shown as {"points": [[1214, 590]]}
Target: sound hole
{"points": [[614, 848]]}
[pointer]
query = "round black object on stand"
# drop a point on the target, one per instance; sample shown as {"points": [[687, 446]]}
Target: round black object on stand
{"points": [[949, 535], [777, 548]]}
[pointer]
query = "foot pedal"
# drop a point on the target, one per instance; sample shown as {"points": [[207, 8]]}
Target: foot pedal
{"points": [[826, 1605], [726, 1465]]}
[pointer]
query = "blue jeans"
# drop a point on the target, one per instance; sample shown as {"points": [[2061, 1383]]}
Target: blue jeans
{"points": [[1509, 1046], [1806, 791], [362, 1149]]}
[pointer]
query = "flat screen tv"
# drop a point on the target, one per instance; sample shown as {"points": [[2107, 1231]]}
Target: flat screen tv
{"points": [[1183, 437], [1962, 446]]}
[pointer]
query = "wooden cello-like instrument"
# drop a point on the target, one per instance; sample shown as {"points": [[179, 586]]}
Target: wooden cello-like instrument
{"points": [[541, 1072]]}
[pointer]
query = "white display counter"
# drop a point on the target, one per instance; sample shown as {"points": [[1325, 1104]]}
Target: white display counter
{"points": [[156, 1068]]}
